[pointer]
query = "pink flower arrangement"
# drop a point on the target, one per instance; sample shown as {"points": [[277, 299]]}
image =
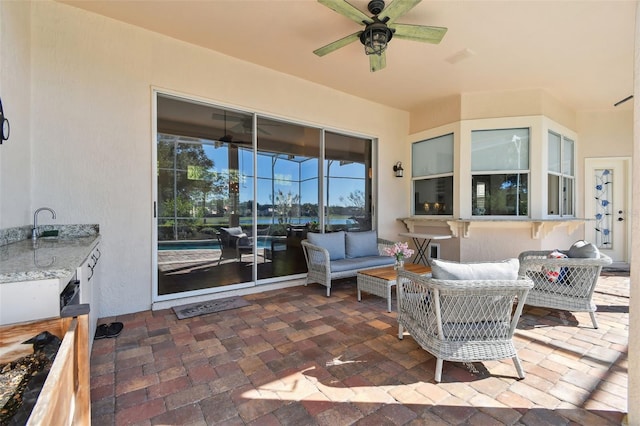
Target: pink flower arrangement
{"points": [[399, 251]]}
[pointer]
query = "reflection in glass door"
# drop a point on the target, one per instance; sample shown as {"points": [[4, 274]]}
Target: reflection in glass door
{"points": [[230, 215], [204, 202], [347, 176]]}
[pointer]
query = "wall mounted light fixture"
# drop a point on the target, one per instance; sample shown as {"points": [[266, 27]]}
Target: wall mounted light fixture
{"points": [[4, 125], [397, 168]]}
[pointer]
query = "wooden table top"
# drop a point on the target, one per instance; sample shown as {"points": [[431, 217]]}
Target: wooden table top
{"points": [[390, 274]]}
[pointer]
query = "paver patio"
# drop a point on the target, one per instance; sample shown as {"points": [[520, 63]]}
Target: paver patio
{"points": [[296, 357]]}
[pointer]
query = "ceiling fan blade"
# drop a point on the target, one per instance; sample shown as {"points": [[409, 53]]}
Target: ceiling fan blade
{"points": [[396, 9], [418, 32], [377, 62], [337, 44], [347, 10]]}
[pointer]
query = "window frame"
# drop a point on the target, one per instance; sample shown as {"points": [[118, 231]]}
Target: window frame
{"points": [[505, 172], [434, 176], [561, 175]]}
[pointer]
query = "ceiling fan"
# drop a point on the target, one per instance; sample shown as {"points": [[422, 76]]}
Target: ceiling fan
{"points": [[380, 28], [240, 124]]}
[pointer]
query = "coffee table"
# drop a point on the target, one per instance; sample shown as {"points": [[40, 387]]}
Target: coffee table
{"points": [[379, 281]]}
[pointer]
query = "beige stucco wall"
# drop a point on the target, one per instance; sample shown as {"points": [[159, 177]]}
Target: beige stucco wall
{"points": [[15, 88], [92, 81], [605, 132], [509, 240], [435, 114], [486, 105], [515, 103]]}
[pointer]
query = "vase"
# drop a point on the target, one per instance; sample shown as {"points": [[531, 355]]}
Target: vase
{"points": [[399, 264]]}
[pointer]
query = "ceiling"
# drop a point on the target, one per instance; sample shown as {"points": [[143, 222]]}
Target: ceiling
{"points": [[581, 51]]}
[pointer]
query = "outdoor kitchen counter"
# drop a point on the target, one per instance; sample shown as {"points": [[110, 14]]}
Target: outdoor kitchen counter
{"points": [[49, 258]]}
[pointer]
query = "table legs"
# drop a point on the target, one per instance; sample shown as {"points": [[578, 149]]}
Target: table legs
{"points": [[421, 251]]}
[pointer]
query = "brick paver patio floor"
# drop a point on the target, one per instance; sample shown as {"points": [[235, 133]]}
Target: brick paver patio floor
{"points": [[296, 357]]}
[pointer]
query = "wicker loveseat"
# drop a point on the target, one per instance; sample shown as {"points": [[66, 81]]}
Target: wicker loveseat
{"points": [[565, 283], [342, 254], [466, 317]]}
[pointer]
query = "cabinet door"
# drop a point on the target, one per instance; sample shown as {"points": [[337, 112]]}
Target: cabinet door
{"points": [[88, 274], [29, 301]]}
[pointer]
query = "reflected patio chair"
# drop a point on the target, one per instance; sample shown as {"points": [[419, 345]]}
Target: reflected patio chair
{"points": [[234, 242]]}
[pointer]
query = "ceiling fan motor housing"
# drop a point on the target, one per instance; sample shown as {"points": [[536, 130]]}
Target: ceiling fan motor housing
{"points": [[375, 38], [375, 6]]}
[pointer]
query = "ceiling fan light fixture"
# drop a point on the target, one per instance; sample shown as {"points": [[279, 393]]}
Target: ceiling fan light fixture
{"points": [[375, 38]]}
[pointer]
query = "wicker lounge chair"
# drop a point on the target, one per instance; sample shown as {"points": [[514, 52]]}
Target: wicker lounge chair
{"points": [[572, 290], [461, 320]]}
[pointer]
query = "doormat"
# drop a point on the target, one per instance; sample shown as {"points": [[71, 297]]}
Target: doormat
{"points": [[209, 307]]}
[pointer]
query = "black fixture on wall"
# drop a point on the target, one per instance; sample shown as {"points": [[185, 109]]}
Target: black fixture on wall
{"points": [[398, 170], [4, 125]]}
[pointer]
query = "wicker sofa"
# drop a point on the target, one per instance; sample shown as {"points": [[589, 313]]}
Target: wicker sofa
{"points": [[464, 312], [565, 283], [342, 254]]}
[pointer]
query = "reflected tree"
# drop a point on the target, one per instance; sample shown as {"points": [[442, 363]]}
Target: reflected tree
{"points": [[186, 180]]}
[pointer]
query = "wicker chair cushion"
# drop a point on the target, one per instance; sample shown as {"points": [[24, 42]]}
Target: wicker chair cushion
{"points": [[334, 242], [583, 249], [235, 231], [501, 270], [361, 244]]}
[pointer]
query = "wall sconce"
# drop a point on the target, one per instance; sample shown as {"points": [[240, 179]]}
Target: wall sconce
{"points": [[398, 170], [4, 125]]}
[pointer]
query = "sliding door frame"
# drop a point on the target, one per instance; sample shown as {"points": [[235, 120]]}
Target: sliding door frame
{"points": [[255, 283]]}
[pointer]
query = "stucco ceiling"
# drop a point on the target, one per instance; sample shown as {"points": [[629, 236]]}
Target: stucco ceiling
{"points": [[580, 51]]}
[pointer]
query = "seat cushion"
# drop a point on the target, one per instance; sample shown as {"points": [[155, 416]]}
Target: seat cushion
{"points": [[361, 244], [235, 231], [334, 242], [500, 270], [357, 263]]}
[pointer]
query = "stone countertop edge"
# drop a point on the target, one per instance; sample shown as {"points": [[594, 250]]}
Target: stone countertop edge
{"points": [[50, 257]]}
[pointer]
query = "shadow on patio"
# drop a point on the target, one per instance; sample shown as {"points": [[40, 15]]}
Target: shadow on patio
{"points": [[295, 356]]}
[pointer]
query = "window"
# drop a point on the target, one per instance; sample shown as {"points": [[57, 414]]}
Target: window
{"points": [[500, 172], [561, 176], [432, 174]]}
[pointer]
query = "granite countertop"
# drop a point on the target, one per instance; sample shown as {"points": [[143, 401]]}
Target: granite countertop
{"points": [[48, 258]]}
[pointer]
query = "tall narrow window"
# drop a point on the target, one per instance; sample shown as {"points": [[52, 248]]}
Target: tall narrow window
{"points": [[347, 183], [561, 176], [432, 174], [500, 172]]}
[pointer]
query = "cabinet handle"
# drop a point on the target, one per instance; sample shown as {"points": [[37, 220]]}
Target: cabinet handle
{"points": [[91, 268]]}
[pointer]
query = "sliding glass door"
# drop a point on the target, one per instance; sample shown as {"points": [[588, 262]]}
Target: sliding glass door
{"points": [[238, 192]]}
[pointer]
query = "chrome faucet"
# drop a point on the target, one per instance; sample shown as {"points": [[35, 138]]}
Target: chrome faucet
{"points": [[34, 231]]}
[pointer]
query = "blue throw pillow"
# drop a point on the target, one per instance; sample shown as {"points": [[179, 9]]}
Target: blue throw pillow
{"points": [[361, 244], [332, 241]]}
